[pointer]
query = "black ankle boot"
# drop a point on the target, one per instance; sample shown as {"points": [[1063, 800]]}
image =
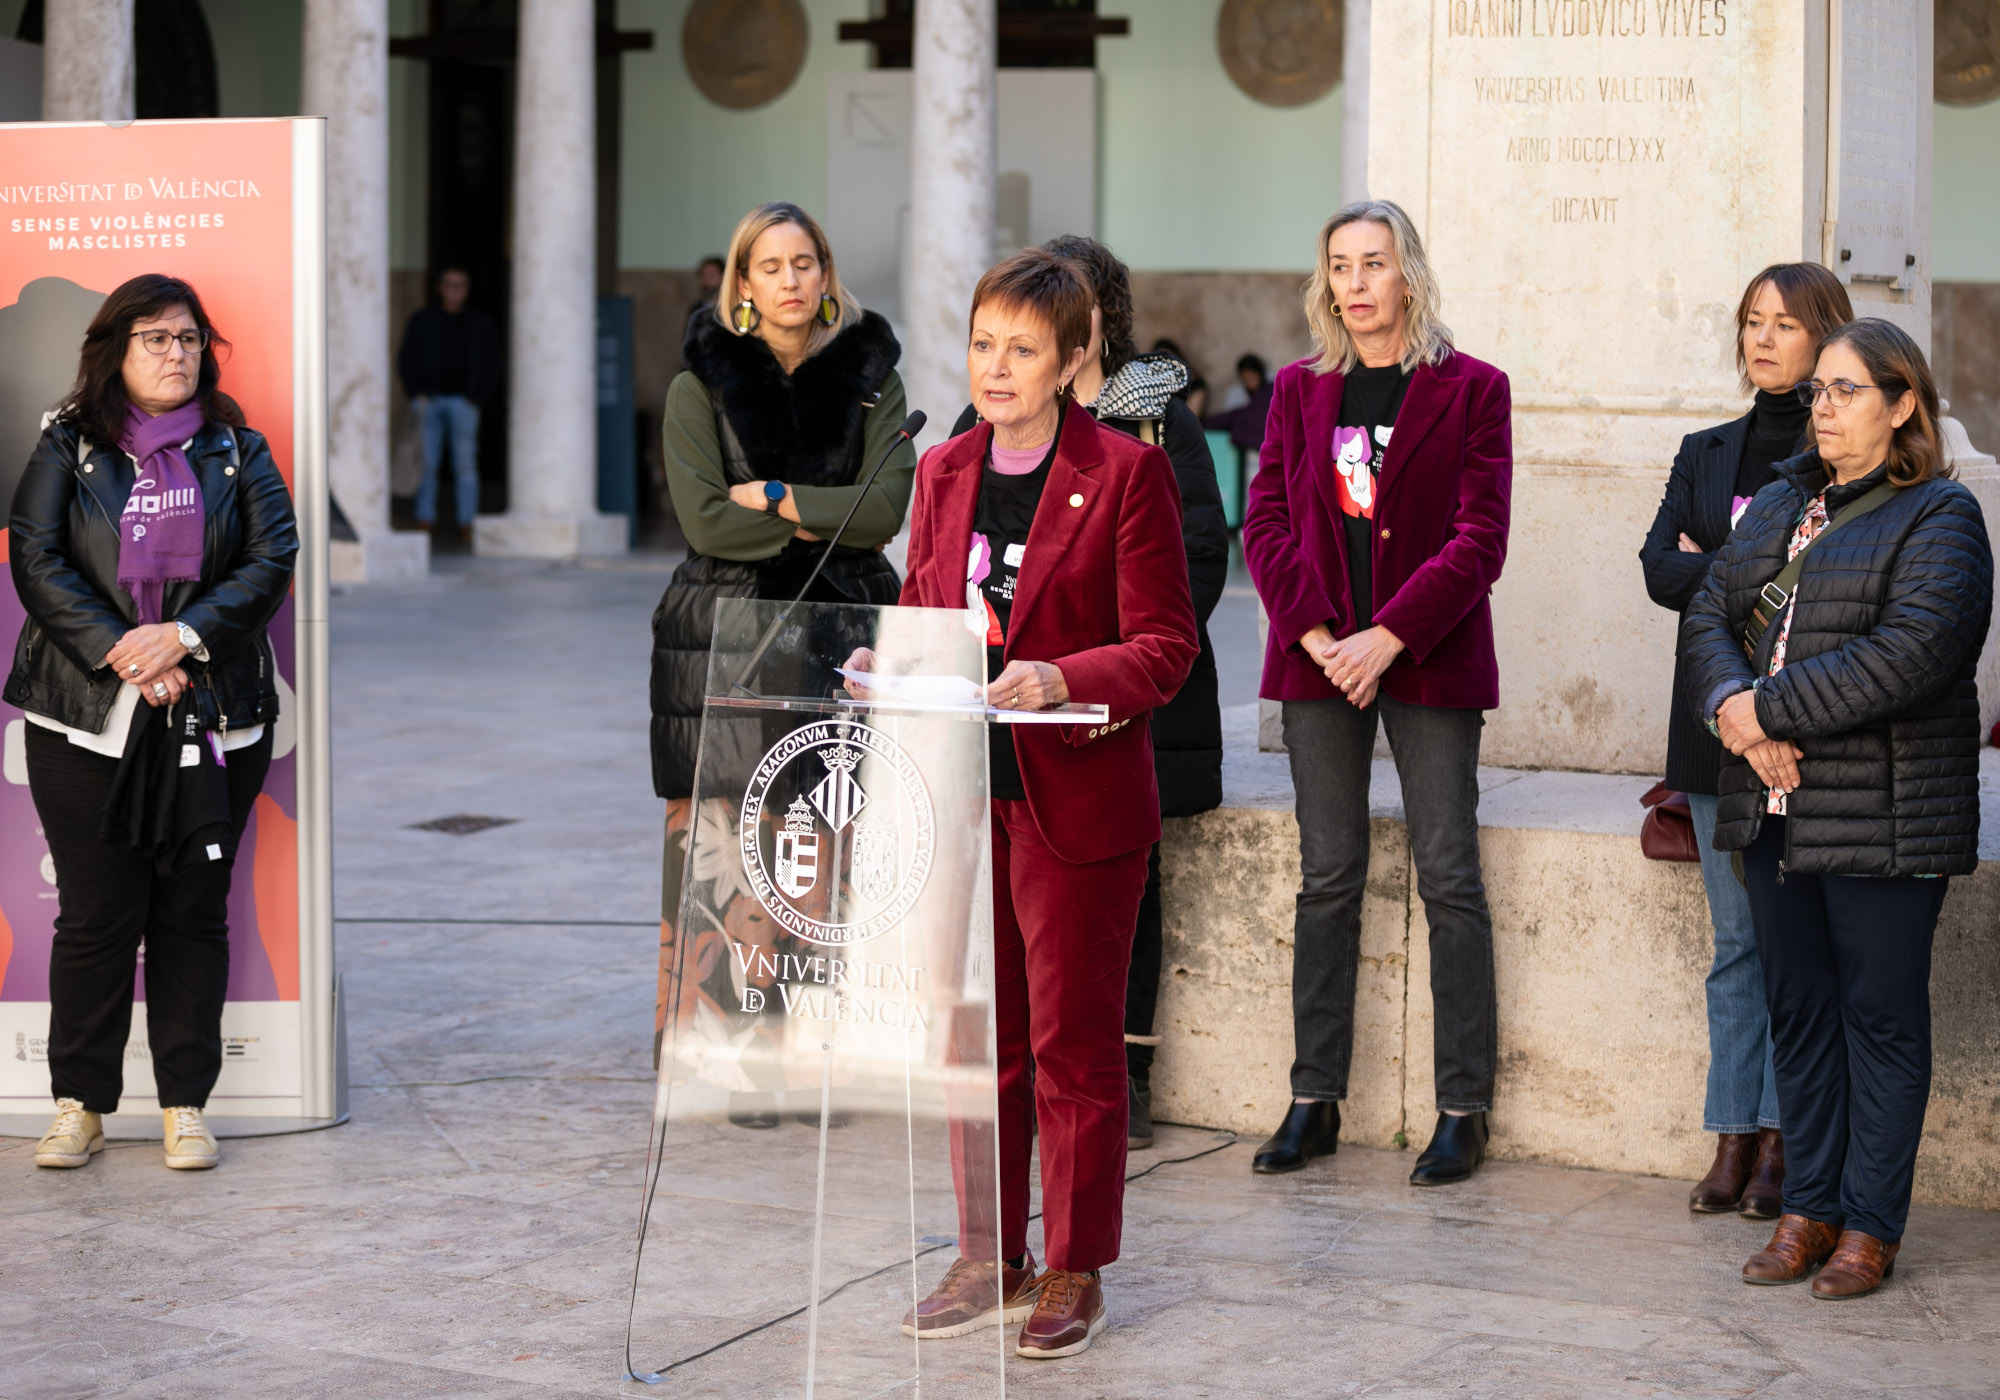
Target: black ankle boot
{"points": [[753, 1110], [1458, 1146], [1309, 1129], [1139, 1097]]}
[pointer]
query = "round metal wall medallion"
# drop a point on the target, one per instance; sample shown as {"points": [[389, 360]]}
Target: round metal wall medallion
{"points": [[1967, 48], [744, 53], [1281, 52]]}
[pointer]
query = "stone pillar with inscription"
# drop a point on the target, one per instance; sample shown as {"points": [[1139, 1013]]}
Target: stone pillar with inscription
{"points": [[552, 384], [87, 69], [345, 78], [1595, 184], [953, 145]]}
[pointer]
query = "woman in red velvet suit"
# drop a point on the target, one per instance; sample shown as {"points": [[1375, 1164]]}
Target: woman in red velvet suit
{"points": [[1376, 528], [1068, 538]]}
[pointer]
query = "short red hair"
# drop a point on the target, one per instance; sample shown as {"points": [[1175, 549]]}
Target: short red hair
{"points": [[1037, 281]]}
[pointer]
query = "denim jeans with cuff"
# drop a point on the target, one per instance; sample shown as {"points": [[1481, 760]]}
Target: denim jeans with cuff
{"points": [[1742, 1090]]}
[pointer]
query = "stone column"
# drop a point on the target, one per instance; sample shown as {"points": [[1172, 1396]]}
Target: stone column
{"points": [[953, 143], [552, 413], [87, 71], [1354, 103], [344, 77]]}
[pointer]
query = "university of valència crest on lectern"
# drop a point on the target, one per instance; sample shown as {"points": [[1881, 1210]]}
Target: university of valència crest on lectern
{"points": [[848, 856]]}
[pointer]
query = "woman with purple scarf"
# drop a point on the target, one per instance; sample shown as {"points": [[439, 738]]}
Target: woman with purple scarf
{"points": [[151, 541]]}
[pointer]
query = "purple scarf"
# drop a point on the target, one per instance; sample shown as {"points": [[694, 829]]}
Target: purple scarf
{"points": [[160, 534]]}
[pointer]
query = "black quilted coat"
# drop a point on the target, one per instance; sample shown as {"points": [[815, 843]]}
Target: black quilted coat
{"points": [[806, 428], [1878, 683]]}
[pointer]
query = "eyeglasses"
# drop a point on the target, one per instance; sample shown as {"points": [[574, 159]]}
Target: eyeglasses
{"points": [[1839, 393], [156, 342]]}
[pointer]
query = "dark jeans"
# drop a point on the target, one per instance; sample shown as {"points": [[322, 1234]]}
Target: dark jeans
{"points": [[109, 899], [1142, 983], [1332, 746], [1847, 973]]}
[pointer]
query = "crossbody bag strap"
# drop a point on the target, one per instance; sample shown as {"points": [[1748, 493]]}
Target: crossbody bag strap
{"points": [[1774, 597]]}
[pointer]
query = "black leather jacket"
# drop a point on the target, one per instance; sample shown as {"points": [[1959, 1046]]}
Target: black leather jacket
{"points": [[1879, 686], [64, 554]]}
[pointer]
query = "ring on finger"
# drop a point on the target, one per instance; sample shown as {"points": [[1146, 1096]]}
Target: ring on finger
{"points": [[160, 689]]}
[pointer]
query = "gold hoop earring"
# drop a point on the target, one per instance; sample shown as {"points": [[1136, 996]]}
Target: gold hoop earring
{"points": [[829, 309], [746, 317], [1336, 309], [1406, 301]]}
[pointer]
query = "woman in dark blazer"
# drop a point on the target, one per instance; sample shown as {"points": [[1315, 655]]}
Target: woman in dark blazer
{"points": [[1848, 696], [152, 540], [1067, 536], [1376, 530], [1783, 315]]}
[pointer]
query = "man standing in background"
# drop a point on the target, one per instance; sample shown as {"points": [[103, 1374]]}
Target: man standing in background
{"points": [[450, 363]]}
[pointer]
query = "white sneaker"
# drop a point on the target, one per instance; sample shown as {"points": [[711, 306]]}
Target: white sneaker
{"points": [[72, 1138], [190, 1145]]}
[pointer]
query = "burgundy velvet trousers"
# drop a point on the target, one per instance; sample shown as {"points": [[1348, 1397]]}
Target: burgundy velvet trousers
{"points": [[1062, 942]]}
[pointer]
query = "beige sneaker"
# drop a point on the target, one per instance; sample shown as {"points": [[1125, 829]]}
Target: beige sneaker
{"points": [[190, 1145], [72, 1138]]}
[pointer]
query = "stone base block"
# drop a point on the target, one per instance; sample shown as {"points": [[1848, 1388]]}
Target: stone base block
{"points": [[393, 556], [550, 536], [1600, 956]]}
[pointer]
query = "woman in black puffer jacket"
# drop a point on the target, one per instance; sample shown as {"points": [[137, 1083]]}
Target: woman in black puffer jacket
{"points": [[1849, 704], [789, 397]]}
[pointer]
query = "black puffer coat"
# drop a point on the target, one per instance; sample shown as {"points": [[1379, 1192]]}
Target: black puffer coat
{"points": [[64, 555], [810, 428], [1878, 684]]}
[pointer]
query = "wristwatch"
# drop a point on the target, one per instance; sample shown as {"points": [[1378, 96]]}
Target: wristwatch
{"points": [[774, 496], [190, 640]]}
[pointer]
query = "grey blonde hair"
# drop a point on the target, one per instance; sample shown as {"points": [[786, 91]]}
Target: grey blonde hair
{"points": [[1427, 340], [736, 264]]}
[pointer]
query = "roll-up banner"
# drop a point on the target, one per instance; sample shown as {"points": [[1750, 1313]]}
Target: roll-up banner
{"points": [[235, 208]]}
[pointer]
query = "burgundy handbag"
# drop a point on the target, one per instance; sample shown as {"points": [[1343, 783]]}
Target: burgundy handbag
{"points": [[1668, 831]]}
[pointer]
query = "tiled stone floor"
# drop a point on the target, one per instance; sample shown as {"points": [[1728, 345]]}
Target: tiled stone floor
{"points": [[474, 1238]]}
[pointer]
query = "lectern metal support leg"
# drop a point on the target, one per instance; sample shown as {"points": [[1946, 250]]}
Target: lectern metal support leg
{"points": [[819, 1211]]}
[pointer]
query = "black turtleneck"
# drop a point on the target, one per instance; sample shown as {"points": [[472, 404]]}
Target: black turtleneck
{"points": [[1777, 431]]}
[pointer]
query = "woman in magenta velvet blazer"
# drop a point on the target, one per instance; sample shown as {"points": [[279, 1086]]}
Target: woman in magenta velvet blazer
{"points": [[1376, 529], [1066, 537]]}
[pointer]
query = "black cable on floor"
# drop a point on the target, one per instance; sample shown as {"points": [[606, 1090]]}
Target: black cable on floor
{"points": [[655, 1377]]}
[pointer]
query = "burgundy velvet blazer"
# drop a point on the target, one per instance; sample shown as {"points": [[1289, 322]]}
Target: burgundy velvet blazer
{"points": [[1439, 534], [1102, 593]]}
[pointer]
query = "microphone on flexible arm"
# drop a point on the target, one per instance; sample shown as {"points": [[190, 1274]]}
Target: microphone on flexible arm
{"points": [[911, 426]]}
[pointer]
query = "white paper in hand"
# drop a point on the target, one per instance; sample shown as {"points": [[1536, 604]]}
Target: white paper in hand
{"points": [[916, 690]]}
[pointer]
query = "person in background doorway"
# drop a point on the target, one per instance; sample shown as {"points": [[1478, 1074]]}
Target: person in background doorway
{"points": [[152, 540], [1194, 393], [708, 287], [1784, 314], [1244, 419], [1835, 649], [1376, 531], [1135, 394], [451, 364]]}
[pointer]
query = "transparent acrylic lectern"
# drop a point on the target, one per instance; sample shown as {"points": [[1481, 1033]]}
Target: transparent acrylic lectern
{"points": [[824, 1124]]}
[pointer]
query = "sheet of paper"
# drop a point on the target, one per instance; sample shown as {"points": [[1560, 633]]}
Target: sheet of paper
{"points": [[917, 690]]}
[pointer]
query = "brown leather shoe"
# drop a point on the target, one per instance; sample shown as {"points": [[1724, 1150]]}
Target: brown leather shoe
{"points": [[1764, 1197], [1859, 1264], [966, 1300], [1796, 1247], [1722, 1188], [1067, 1315]]}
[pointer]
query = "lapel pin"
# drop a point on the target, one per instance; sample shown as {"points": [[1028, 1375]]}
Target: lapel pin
{"points": [[1077, 499]]}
